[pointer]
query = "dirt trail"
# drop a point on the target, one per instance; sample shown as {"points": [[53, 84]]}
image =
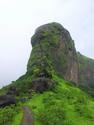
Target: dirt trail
{"points": [[27, 117]]}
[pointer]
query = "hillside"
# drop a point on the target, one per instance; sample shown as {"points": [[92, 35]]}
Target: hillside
{"points": [[58, 85], [86, 73]]}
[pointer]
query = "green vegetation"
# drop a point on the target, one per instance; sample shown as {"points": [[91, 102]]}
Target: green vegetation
{"points": [[17, 119], [65, 105], [53, 55], [10, 115], [86, 73]]}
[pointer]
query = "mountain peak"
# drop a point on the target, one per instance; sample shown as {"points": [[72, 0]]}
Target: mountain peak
{"points": [[54, 53], [48, 31], [54, 48]]}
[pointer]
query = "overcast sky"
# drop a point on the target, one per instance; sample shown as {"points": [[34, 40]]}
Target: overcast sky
{"points": [[19, 19]]}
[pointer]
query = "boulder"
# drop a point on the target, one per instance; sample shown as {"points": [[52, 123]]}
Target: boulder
{"points": [[6, 100], [41, 84]]}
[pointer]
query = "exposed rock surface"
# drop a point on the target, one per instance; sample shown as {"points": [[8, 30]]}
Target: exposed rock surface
{"points": [[54, 50], [41, 84], [6, 100], [86, 73]]}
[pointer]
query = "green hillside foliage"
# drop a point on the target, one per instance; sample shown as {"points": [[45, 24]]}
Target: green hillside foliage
{"points": [[53, 62], [10, 115], [65, 105]]}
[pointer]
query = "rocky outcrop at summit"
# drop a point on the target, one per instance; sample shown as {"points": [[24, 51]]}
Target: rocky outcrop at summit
{"points": [[53, 49], [53, 52]]}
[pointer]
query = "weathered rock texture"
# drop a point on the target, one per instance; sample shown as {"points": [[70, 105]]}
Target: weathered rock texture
{"points": [[6, 100], [54, 50], [86, 73]]}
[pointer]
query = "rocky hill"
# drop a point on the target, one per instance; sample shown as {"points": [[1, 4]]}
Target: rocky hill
{"points": [[54, 50], [53, 85]]}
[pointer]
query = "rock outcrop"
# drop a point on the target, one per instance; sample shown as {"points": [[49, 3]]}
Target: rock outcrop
{"points": [[6, 100], [86, 73], [42, 84], [53, 50]]}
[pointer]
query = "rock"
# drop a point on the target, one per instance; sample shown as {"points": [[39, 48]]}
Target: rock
{"points": [[86, 73], [6, 100], [54, 47], [41, 84], [54, 52], [13, 91], [44, 74]]}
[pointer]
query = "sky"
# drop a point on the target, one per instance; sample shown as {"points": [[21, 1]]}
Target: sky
{"points": [[20, 18]]}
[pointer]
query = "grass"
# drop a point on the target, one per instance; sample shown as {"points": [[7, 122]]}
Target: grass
{"points": [[66, 105], [36, 105], [10, 115], [17, 119]]}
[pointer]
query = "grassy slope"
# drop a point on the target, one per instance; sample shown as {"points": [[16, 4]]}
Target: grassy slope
{"points": [[17, 118], [64, 105], [11, 115], [67, 105]]}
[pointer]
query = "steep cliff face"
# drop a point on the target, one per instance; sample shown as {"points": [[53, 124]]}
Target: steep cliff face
{"points": [[53, 59], [53, 50], [86, 73]]}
